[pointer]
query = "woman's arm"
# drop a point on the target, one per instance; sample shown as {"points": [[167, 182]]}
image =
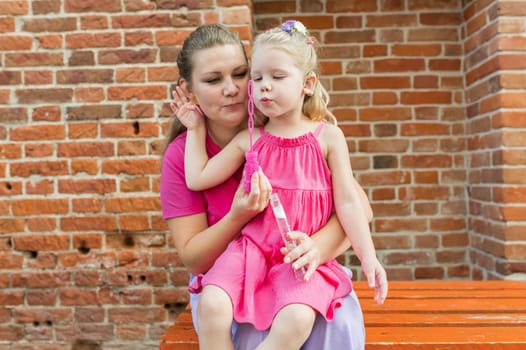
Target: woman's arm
{"points": [[199, 245]]}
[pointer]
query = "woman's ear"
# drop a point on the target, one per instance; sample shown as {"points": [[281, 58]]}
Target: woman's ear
{"points": [[310, 83], [183, 84], [187, 89]]}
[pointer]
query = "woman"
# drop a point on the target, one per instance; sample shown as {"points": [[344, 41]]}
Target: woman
{"points": [[214, 68]]}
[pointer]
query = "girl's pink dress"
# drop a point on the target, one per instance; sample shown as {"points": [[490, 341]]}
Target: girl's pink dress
{"points": [[251, 270]]}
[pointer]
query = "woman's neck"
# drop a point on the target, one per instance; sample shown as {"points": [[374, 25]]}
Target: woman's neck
{"points": [[222, 135]]}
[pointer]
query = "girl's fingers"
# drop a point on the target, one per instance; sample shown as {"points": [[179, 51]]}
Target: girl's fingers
{"points": [[174, 108]]}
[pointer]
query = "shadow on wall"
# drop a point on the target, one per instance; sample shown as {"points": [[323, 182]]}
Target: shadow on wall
{"points": [[81, 344]]}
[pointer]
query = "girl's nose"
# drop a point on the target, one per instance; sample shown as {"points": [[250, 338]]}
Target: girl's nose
{"points": [[265, 86]]}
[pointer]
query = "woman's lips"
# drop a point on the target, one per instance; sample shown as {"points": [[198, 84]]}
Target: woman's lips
{"points": [[233, 105]]}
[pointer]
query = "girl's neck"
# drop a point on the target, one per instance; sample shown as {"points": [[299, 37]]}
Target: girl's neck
{"points": [[289, 127]]}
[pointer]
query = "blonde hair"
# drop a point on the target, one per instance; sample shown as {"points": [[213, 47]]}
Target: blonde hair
{"points": [[293, 38]]}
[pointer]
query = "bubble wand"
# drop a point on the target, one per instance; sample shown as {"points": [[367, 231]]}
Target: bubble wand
{"points": [[251, 156], [284, 229]]}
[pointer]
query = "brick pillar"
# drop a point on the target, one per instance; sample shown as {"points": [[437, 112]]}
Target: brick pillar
{"points": [[494, 44]]}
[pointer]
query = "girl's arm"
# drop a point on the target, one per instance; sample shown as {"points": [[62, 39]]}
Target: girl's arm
{"points": [[328, 243], [199, 245], [350, 210], [364, 201], [201, 172]]}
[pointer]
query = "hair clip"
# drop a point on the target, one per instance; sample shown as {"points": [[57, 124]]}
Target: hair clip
{"points": [[292, 25]]}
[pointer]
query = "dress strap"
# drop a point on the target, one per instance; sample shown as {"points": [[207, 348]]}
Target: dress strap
{"points": [[262, 130], [318, 129]]}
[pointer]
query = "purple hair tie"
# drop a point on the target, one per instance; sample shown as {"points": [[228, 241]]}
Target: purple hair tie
{"points": [[294, 26], [288, 26]]}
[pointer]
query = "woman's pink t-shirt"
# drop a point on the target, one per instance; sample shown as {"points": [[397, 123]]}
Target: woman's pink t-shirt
{"points": [[177, 200]]}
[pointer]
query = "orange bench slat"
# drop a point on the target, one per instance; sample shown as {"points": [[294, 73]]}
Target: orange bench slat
{"points": [[424, 315]]}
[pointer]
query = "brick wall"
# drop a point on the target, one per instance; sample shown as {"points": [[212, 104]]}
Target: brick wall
{"points": [[394, 69], [85, 258], [495, 59]]}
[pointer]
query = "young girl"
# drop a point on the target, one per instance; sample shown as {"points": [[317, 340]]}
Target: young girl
{"points": [[304, 158]]}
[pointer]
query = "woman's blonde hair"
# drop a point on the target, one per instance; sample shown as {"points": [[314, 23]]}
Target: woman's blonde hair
{"points": [[293, 38]]}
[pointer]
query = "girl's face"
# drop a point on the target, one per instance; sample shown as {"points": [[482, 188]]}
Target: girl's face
{"points": [[219, 82], [279, 86]]}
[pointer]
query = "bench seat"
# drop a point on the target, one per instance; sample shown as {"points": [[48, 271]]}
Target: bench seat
{"points": [[420, 315]]}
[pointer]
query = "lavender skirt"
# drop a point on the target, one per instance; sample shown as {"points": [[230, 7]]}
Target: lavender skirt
{"points": [[346, 331]]}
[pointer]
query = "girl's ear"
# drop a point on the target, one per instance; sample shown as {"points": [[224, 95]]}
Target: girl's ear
{"points": [[310, 83]]}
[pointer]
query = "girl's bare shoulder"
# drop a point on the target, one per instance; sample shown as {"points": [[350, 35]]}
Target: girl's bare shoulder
{"points": [[331, 133]]}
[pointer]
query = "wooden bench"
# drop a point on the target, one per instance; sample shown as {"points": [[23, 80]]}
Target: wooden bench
{"points": [[419, 315]]}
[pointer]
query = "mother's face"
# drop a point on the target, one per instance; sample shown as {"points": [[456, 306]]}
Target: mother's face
{"points": [[219, 81]]}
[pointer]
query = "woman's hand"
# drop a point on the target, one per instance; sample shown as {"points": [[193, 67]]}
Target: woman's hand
{"points": [[188, 113], [376, 278], [305, 254], [247, 205]]}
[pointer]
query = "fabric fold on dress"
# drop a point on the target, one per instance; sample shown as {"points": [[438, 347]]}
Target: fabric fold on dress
{"points": [[251, 270]]}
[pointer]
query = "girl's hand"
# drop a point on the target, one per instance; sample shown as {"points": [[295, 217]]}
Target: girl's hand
{"points": [[188, 113], [305, 254], [247, 205], [376, 278]]}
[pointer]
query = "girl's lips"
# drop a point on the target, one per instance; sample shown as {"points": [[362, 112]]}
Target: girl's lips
{"points": [[265, 101]]}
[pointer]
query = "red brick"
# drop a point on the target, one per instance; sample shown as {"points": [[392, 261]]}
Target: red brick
{"points": [[426, 97], [11, 225], [75, 6], [38, 132], [40, 279], [89, 314], [46, 113], [31, 59], [385, 82], [42, 242], [129, 314], [351, 6], [273, 7], [41, 224], [82, 260], [140, 93], [131, 167], [43, 315], [120, 56], [39, 206], [436, 272], [42, 297], [399, 65], [88, 166], [35, 150], [398, 20], [94, 223]]}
